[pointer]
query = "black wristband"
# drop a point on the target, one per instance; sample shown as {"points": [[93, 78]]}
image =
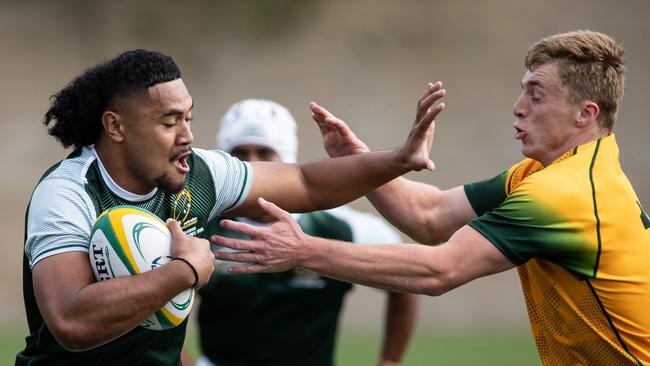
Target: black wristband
{"points": [[196, 274]]}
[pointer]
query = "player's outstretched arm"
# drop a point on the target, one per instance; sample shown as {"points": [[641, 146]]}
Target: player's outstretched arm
{"points": [[83, 314], [423, 212], [414, 268], [332, 182]]}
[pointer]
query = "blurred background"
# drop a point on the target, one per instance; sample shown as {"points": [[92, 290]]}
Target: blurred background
{"points": [[368, 62]]}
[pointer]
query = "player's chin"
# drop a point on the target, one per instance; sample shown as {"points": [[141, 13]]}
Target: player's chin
{"points": [[171, 182]]}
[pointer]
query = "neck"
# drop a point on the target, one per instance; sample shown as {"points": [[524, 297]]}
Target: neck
{"points": [[114, 162], [577, 140]]}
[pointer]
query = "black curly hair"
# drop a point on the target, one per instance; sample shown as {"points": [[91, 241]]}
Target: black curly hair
{"points": [[77, 109]]}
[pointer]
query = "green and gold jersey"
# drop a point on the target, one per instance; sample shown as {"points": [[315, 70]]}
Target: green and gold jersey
{"points": [[581, 241], [62, 210]]}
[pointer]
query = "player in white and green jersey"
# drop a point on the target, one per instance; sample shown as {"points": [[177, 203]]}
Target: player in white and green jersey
{"points": [[288, 318], [61, 223], [566, 216], [129, 122]]}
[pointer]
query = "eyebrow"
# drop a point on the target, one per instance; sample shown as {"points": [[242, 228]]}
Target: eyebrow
{"points": [[532, 83], [176, 112]]}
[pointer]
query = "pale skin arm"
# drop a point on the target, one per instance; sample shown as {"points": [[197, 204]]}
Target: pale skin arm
{"points": [[424, 212], [331, 182], [83, 314], [398, 326], [412, 268]]}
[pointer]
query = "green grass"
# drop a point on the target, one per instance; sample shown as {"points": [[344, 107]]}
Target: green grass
{"points": [[458, 348], [483, 347], [356, 347], [12, 340]]}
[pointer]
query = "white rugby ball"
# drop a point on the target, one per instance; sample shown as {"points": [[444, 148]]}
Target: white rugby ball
{"points": [[127, 241]]}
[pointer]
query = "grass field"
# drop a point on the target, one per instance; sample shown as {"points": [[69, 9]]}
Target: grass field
{"points": [[431, 347], [355, 347], [498, 348]]}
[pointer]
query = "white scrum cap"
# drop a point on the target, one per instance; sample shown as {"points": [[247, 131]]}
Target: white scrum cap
{"points": [[259, 122]]}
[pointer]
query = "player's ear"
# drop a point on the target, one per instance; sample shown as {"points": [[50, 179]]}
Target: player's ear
{"points": [[587, 113], [113, 126]]}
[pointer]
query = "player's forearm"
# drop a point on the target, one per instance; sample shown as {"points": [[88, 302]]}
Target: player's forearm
{"points": [[105, 310], [333, 182], [409, 268], [409, 206], [400, 317]]}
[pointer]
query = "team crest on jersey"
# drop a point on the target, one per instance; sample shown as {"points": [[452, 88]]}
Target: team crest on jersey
{"points": [[182, 205], [181, 213]]}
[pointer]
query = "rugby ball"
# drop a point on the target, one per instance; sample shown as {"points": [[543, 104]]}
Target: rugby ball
{"points": [[128, 241]]}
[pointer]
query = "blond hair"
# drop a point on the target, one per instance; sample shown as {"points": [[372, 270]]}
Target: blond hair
{"points": [[591, 67]]}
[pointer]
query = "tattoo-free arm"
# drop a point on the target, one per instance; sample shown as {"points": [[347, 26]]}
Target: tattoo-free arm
{"points": [[332, 182], [413, 268], [83, 314], [422, 211], [430, 270]]}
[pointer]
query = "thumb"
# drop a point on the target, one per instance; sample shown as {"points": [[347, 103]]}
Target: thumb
{"points": [[174, 227]]}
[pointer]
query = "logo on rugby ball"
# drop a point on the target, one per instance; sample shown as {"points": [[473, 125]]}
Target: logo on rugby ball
{"points": [[159, 261]]}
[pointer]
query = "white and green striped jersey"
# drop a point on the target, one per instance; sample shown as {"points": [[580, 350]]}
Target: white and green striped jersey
{"points": [[62, 210]]}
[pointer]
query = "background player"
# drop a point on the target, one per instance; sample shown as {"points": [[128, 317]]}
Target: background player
{"points": [[288, 318]]}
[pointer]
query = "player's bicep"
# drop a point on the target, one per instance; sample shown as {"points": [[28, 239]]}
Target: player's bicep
{"points": [[442, 213], [280, 183], [56, 280], [455, 209]]}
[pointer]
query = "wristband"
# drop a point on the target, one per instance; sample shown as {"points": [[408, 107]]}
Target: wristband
{"points": [[196, 274]]}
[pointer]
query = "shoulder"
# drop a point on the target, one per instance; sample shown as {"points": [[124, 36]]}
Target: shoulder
{"points": [[220, 163], [73, 168], [214, 156], [563, 183], [60, 212], [66, 180], [520, 172], [204, 154]]}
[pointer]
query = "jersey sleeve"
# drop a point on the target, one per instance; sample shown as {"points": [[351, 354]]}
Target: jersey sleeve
{"points": [[59, 220], [366, 227], [487, 194], [528, 225], [232, 177]]}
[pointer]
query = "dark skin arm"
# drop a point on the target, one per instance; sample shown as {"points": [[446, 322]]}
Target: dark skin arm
{"points": [[83, 314], [319, 185]]}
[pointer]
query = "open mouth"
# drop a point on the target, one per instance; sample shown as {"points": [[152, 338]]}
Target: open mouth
{"points": [[180, 161], [519, 133]]}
